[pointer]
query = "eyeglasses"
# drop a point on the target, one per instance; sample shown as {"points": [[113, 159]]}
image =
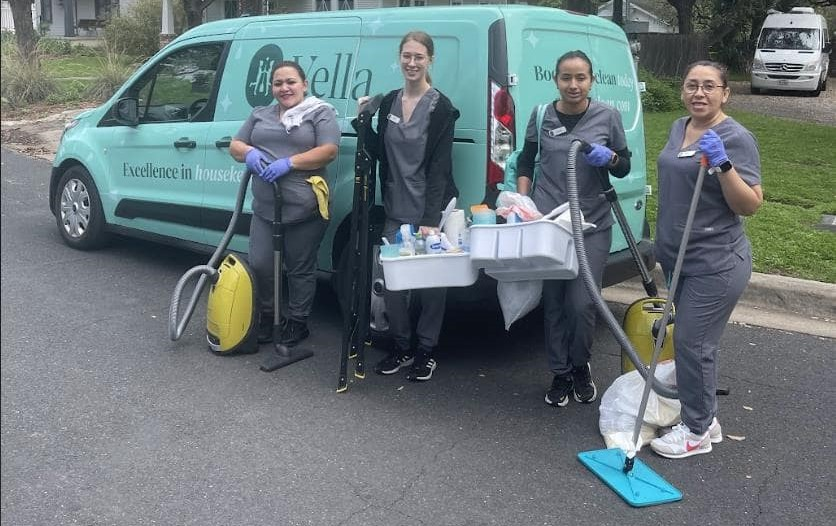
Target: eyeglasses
{"points": [[707, 87], [409, 57]]}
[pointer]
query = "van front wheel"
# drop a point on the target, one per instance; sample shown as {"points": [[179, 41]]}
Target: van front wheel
{"points": [[78, 210]]}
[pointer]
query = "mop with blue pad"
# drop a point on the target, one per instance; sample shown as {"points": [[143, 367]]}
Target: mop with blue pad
{"points": [[622, 471]]}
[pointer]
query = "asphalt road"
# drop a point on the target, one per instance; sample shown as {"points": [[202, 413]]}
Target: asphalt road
{"points": [[107, 422]]}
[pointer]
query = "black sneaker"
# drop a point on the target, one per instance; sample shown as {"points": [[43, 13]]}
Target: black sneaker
{"points": [[265, 327], [393, 363], [422, 369], [293, 332], [558, 395], [585, 391]]}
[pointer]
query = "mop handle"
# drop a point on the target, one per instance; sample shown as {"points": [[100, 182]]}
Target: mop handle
{"points": [[660, 338]]}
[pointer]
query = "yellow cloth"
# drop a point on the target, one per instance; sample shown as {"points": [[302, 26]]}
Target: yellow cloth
{"points": [[320, 190]]}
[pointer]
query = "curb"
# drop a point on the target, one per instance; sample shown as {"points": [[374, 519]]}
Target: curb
{"points": [[772, 301]]}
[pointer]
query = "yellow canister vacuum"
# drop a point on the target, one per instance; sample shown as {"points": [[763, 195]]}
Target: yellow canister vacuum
{"points": [[231, 316], [642, 318]]}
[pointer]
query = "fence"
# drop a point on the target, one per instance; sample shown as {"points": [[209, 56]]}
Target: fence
{"points": [[8, 19], [667, 54]]}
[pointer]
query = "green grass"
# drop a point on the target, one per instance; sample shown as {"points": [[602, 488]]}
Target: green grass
{"points": [[798, 169]]}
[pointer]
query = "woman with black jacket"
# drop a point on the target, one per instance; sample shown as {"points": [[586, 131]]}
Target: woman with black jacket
{"points": [[413, 146]]}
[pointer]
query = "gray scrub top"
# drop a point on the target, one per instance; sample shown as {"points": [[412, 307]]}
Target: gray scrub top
{"points": [[600, 124], [264, 131], [406, 144], [717, 240]]}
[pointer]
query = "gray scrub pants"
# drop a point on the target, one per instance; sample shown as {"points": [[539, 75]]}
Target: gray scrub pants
{"points": [[569, 311], [432, 303], [301, 243], [703, 306]]}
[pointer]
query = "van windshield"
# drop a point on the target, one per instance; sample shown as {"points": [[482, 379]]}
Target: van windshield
{"points": [[789, 38]]}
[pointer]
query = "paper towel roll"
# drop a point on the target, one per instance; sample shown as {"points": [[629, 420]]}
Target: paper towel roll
{"points": [[455, 226]]}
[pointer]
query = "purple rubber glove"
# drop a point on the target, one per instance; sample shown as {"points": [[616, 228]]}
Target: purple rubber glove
{"points": [[256, 161], [598, 155], [276, 169], [712, 146]]}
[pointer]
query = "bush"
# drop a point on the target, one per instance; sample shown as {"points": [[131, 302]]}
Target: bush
{"points": [[115, 70], [22, 81], [136, 33], [54, 47], [660, 94]]}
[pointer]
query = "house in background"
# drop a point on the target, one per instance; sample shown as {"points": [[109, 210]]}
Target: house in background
{"points": [[69, 18], [638, 18]]}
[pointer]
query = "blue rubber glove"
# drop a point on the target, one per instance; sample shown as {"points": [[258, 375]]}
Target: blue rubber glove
{"points": [[599, 155], [712, 146], [256, 160], [276, 169]]}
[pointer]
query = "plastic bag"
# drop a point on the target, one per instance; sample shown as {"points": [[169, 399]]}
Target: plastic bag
{"points": [[620, 405], [518, 298], [522, 205]]}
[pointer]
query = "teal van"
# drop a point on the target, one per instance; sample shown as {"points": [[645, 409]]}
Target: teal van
{"points": [[164, 171]]}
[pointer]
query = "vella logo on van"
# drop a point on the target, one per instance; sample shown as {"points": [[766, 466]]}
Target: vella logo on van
{"points": [[324, 80]]}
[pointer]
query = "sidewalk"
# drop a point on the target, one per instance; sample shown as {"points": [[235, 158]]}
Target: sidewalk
{"points": [[769, 300]]}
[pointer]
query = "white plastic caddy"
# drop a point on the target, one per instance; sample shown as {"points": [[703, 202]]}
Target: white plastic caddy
{"points": [[541, 249], [429, 271]]}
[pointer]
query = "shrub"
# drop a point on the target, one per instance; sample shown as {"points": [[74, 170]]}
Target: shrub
{"points": [[115, 70], [54, 47], [136, 33], [23, 81], [660, 94]]}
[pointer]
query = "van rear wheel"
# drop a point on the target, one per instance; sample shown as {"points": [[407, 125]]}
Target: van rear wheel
{"points": [[78, 210]]}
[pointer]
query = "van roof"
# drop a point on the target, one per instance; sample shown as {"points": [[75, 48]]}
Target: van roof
{"points": [[232, 25], [794, 20]]}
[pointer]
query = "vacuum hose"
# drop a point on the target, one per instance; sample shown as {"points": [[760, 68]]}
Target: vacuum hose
{"points": [[665, 390], [209, 271]]}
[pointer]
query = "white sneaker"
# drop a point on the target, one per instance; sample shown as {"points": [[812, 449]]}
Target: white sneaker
{"points": [[715, 432], [681, 443]]}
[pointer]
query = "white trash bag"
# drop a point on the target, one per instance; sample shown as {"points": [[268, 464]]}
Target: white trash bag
{"points": [[518, 298], [620, 405]]}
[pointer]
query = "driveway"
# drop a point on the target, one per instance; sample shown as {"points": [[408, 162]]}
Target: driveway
{"points": [[788, 105]]}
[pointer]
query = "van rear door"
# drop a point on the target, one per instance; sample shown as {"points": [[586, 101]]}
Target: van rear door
{"points": [[536, 39]]}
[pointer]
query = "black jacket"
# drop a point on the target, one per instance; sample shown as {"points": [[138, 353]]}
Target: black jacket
{"points": [[438, 161]]}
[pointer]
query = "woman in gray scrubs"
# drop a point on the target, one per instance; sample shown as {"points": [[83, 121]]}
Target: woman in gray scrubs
{"points": [[413, 145], [290, 142], [718, 260], [568, 309]]}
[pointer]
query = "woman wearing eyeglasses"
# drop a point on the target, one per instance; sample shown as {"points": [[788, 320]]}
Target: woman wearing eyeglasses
{"points": [[718, 260], [414, 145]]}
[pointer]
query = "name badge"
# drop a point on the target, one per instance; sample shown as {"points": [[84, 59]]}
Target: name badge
{"points": [[394, 118], [557, 131], [686, 153]]}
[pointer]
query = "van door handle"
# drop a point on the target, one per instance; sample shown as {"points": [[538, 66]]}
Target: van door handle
{"points": [[223, 142], [185, 142]]}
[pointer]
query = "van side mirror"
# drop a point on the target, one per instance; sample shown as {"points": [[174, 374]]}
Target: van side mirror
{"points": [[827, 47], [126, 111]]}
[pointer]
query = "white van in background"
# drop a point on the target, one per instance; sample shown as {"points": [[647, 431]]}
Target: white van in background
{"points": [[793, 52]]}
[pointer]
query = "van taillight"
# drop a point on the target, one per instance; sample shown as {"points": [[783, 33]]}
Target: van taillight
{"points": [[502, 133]]}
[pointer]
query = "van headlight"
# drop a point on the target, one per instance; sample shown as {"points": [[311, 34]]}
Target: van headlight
{"points": [[67, 127], [757, 64], [812, 66]]}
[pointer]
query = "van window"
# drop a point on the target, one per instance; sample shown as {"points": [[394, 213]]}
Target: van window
{"points": [[179, 87], [789, 38]]}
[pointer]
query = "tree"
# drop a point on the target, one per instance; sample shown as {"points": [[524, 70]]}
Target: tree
{"points": [[25, 34], [580, 6], [194, 11], [684, 15], [618, 12]]}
